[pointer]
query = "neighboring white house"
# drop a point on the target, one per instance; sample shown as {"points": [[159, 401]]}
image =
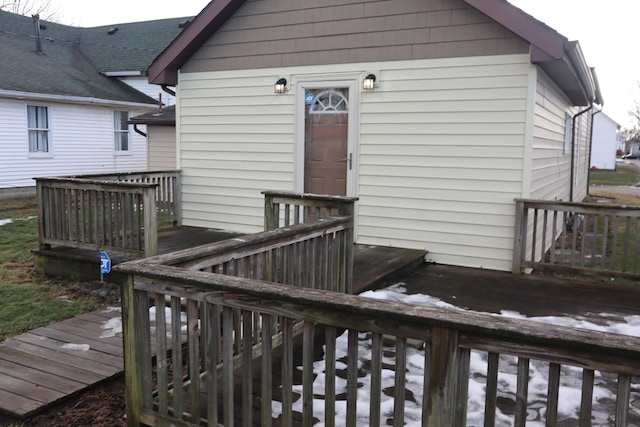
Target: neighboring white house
{"points": [[436, 114], [604, 142], [67, 93]]}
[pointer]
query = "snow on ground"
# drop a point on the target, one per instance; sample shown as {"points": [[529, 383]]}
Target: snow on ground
{"points": [[570, 384], [75, 347], [10, 220]]}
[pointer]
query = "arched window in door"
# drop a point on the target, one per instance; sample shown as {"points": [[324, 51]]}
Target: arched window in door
{"points": [[329, 102]]}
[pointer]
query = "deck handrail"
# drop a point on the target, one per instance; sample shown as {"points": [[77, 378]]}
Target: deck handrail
{"points": [[119, 212], [282, 208], [168, 194], [97, 215], [314, 255], [576, 236], [220, 308]]}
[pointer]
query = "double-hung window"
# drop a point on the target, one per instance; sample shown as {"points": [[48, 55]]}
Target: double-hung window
{"points": [[38, 128], [121, 131]]}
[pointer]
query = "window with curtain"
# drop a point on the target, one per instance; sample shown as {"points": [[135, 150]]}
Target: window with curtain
{"points": [[121, 130], [38, 128]]}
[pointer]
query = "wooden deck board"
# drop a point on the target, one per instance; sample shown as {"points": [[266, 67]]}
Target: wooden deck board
{"points": [[56, 343], [34, 360], [54, 356]]}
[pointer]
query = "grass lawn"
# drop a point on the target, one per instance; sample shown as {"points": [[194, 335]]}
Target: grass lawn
{"points": [[29, 299], [623, 175]]}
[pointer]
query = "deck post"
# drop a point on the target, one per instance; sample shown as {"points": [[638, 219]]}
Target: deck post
{"points": [[347, 209], [518, 238], [443, 373], [150, 222], [269, 219], [177, 199], [133, 380], [41, 215]]}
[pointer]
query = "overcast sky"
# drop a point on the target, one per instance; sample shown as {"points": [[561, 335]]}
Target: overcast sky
{"points": [[608, 35], [606, 31]]}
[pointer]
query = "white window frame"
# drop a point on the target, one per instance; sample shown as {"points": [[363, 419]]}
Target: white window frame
{"points": [[118, 132], [39, 130]]}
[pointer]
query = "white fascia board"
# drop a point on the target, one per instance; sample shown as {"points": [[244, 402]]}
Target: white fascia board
{"points": [[71, 99], [123, 73]]}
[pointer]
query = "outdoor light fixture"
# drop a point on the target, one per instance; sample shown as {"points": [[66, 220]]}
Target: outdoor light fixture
{"points": [[368, 82], [280, 85]]}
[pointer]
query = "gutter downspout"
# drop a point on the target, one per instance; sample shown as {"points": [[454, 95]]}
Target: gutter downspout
{"points": [[573, 148], [138, 131], [169, 91], [590, 149]]}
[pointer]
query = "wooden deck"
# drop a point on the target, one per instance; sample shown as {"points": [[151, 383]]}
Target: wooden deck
{"points": [[35, 372]]}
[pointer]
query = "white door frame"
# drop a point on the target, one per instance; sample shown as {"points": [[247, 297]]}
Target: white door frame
{"points": [[351, 85]]}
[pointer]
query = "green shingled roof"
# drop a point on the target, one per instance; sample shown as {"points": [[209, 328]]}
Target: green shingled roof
{"points": [[73, 58], [133, 47]]}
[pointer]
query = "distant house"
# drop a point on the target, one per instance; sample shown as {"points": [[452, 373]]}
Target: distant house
{"points": [[161, 137], [605, 142], [436, 114], [67, 93]]}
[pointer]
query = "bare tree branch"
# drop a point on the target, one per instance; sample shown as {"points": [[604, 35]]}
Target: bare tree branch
{"points": [[44, 8]]}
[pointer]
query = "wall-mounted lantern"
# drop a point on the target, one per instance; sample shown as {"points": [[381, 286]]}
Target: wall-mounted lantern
{"points": [[369, 82], [280, 86]]}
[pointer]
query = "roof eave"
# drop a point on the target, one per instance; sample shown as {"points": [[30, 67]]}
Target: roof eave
{"points": [[562, 60], [599, 99], [543, 37], [164, 69], [73, 99]]}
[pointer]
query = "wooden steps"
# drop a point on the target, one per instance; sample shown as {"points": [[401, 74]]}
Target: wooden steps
{"points": [[36, 371]]}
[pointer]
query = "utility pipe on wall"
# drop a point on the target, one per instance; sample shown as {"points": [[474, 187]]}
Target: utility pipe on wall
{"points": [[573, 149]]}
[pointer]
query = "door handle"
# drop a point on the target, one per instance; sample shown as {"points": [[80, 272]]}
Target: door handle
{"points": [[349, 160]]}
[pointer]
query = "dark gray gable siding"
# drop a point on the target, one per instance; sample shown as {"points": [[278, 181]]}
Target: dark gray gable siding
{"points": [[281, 33]]}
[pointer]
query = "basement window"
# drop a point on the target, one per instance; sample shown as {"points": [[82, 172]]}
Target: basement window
{"points": [[38, 128], [121, 131]]}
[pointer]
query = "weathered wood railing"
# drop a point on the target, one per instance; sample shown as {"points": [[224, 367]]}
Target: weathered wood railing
{"points": [[282, 209], [119, 212], [214, 384], [554, 234], [168, 196], [315, 255]]}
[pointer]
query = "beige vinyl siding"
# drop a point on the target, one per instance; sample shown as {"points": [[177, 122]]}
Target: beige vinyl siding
{"points": [[550, 165], [583, 133], [439, 152], [236, 140], [441, 158], [162, 147]]}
